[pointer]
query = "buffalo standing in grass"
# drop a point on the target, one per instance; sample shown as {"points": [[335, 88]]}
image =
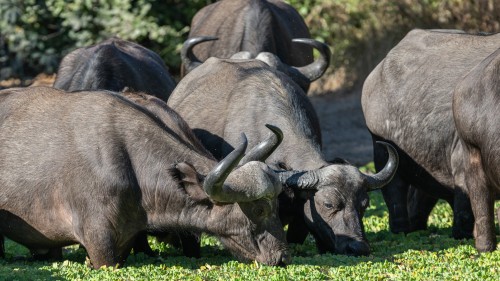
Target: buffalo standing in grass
{"points": [[97, 169], [407, 100], [222, 96], [476, 111], [115, 64], [253, 26]]}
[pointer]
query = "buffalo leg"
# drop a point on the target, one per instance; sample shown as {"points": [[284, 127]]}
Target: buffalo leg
{"points": [[420, 206], [46, 254], [395, 193], [297, 231], [482, 201], [190, 245], [141, 245], [463, 219]]}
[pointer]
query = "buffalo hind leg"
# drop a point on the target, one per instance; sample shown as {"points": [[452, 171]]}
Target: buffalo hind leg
{"points": [[420, 206], [463, 218], [482, 201]]}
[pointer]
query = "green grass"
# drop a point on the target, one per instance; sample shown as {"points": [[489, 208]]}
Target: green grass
{"points": [[423, 255]]}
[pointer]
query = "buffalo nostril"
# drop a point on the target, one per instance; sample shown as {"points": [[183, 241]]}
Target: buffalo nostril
{"points": [[358, 248]]}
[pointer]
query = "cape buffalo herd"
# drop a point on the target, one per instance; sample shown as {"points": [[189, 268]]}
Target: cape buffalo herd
{"points": [[222, 96], [118, 149]]}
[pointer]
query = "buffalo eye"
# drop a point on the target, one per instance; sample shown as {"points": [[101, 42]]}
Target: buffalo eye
{"points": [[259, 212], [328, 205]]}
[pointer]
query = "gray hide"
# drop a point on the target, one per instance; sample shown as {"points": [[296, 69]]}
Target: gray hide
{"points": [[407, 101], [96, 169], [253, 26], [222, 96], [115, 64], [476, 110]]}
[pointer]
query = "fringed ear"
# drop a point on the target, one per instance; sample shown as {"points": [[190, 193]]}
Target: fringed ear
{"points": [[187, 176]]}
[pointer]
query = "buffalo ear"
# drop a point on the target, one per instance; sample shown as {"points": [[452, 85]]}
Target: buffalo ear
{"points": [[187, 176]]}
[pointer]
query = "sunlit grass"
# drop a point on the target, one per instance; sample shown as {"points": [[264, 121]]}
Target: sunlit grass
{"points": [[424, 255]]}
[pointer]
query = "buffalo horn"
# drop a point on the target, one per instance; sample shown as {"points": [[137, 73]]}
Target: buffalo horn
{"points": [[188, 58], [214, 181], [261, 151], [383, 177], [299, 179], [315, 69]]}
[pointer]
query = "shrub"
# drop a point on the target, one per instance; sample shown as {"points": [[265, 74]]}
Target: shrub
{"points": [[35, 34]]}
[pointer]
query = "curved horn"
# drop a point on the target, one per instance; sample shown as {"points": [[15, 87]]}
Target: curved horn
{"points": [[299, 179], [214, 181], [383, 177], [261, 151], [188, 58], [315, 69]]}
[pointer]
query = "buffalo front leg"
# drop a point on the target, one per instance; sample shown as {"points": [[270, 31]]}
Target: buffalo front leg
{"points": [[297, 231], [420, 205], [395, 193], [482, 201]]}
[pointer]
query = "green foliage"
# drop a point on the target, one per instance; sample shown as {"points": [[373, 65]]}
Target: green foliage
{"points": [[35, 34], [361, 32], [422, 255]]}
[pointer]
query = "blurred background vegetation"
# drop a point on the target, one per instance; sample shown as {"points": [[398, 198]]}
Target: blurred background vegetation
{"points": [[36, 34]]}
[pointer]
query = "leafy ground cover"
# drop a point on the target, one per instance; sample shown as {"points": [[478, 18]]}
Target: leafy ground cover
{"points": [[423, 255]]}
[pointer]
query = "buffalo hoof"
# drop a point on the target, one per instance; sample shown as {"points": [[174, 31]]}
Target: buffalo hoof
{"points": [[485, 245], [460, 234], [400, 226]]}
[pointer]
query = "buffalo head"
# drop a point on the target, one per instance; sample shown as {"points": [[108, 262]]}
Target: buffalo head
{"points": [[243, 192], [336, 197]]}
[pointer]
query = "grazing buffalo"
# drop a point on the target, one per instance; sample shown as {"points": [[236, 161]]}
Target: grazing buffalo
{"points": [[253, 26], [222, 96], [407, 101], [97, 169], [476, 108], [113, 65]]}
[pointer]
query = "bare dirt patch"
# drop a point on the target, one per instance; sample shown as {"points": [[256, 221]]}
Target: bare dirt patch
{"points": [[344, 132]]}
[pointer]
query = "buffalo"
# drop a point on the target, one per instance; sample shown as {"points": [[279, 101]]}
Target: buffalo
{"points": [[96, 169], [115, 64], [253, 26], [476, 108], [407, 101], [221, 96]]}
